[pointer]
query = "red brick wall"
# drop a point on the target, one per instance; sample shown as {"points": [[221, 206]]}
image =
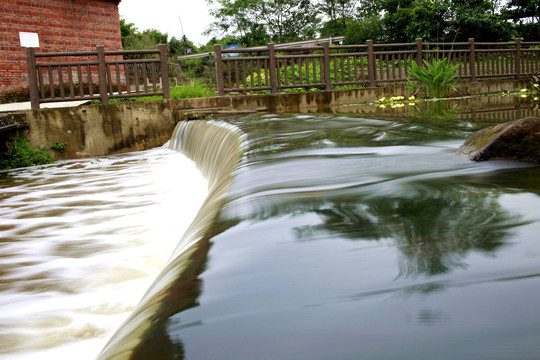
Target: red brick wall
{"points": [[62, 25]]}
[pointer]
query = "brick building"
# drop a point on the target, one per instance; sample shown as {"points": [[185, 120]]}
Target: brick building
{"points": [[62, 25]]}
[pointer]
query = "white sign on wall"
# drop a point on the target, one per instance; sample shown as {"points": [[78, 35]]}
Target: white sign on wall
{"points": [[29, 40]]}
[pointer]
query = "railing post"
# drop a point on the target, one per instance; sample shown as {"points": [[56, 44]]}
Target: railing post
{"points": [[419, 51], [164, 71], [32, 78], [326, 52], [518, 58], [371, 63], [102, 75], [219, 70], [472, 59], [272, 70]]}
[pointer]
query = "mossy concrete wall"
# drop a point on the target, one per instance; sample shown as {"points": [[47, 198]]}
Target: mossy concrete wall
{"points": [[95, 130]]}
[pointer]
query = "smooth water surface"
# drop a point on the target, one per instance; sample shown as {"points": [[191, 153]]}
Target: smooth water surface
{"points": [[351, 238], [81, 241]]}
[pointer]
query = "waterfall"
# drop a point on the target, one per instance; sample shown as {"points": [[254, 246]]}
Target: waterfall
{"points": [[217, 149]]}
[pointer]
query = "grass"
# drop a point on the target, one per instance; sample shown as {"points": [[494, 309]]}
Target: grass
{"points": [[187, 91]]}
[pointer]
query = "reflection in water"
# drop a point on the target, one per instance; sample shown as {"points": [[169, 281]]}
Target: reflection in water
{"points": [[433, 233]]}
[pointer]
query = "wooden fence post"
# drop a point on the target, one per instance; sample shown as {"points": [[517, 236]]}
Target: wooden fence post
{"points": [[164, 71], [102, 75], [472, 59], [419, 51], [32, 78], [272, 70], [518, 58], [219, 70], [371, 63], [326, 52]]}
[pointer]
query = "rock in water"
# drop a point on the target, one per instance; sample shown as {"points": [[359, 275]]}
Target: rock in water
{"points": [[518, 140]]}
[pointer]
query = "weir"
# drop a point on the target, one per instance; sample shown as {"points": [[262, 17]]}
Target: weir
{"points": [[216, 148]]}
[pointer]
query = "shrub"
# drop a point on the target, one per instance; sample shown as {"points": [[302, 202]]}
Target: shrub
{"points": [[21, 154]]}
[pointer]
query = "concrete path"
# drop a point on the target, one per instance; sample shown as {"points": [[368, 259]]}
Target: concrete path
{"points": [[26, 105]]}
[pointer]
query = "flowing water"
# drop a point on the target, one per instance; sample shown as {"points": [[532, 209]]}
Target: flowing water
{"points": [[331, 237], [81, 241], [343, 237]]}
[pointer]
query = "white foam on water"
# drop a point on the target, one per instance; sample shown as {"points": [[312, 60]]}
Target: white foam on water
{"points": [[81, 242]]}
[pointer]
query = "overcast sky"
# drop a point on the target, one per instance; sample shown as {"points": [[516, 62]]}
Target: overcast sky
{"points": [[164, 15]]}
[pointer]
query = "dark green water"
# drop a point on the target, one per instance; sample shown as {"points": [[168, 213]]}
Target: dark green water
{"points": [[351, 238]]}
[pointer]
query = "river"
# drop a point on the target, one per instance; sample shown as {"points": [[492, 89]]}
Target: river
{"points": [[339, 237]]}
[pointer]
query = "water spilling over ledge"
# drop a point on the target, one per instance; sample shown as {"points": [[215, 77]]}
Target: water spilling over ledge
{"points": [[343, 237], [217, 149]]}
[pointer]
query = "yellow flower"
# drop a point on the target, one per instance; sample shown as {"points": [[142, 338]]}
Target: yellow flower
{"points": [[536, 85], [535, 99], [382, 106], [524, 90], [524, 95], [411, 104], [382, 99], [411, 97]]}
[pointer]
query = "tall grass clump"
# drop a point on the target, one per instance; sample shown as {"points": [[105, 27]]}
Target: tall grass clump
{"points": [[434, 79]]}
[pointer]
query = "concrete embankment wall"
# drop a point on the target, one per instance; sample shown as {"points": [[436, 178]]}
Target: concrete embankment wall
{"points": [[95, 130]]}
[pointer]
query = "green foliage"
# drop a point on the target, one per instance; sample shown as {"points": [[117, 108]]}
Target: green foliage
{"points": [[133, 39], [435, 79], [192, 91], [526, 16], [368, 28], [263, 20], [186, 91], [333, 28], [405, 20], [58, 146], [21, 154]]}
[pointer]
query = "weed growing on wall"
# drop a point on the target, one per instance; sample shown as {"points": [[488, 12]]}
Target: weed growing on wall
{"points": [[21, 154], [58, 146]]}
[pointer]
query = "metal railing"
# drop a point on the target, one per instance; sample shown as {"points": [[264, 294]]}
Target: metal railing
{"points": [[271, 68], [97, 75]]}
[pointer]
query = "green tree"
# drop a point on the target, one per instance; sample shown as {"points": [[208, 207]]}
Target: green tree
{"points": [[340, 13], [481, 20], [254, 22], [367, 28], [526, 15], [445, 20]]}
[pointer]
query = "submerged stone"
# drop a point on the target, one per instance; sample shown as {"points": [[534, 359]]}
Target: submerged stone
{"points": [[518, 140]]}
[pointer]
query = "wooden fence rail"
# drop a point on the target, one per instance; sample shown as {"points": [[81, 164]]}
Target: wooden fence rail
{"points": [[268, 68], [97, 74]]}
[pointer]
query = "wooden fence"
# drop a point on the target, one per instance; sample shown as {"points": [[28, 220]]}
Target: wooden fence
{"points": [[97, 74], [268, 68]]}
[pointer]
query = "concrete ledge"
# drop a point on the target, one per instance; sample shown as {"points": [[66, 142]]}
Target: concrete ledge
{"points": [[94, 130]]}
